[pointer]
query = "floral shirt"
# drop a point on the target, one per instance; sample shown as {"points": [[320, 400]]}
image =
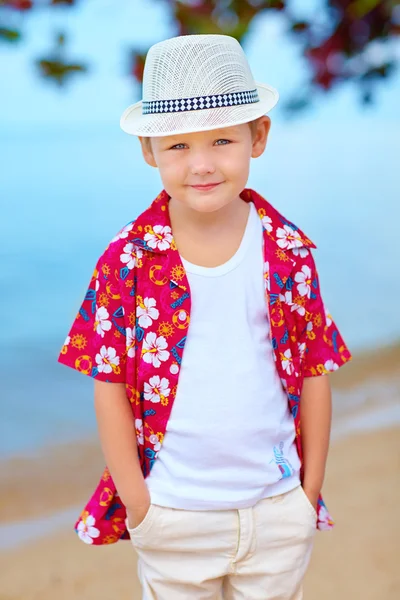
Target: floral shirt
{"points": [[133, 323]]}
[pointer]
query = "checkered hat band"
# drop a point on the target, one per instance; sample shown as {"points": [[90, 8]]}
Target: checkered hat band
{"points": [[200, 103]]}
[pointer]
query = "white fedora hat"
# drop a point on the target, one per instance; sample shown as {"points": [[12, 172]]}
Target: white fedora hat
{"points": [[194, 83]]}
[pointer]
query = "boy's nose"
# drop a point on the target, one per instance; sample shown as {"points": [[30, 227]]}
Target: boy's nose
{"points": [[201, 166]]}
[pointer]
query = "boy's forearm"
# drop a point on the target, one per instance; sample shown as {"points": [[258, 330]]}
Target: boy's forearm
{"points": [[118, 440], [316, 416]]}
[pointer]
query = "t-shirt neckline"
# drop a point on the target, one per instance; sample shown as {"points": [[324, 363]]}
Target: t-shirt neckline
{"points": [[236, 259]]}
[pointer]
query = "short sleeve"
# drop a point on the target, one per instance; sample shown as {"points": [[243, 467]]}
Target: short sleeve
{"points": [[323, 346], [96, 343]]}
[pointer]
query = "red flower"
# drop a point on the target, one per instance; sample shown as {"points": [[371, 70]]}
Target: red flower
{"points": [[138, 67], [19, 4]]}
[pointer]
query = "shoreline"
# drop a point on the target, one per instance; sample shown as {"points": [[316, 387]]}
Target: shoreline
{"points": [[382, 361], [50, 481], [358, 559], [18, 532]]}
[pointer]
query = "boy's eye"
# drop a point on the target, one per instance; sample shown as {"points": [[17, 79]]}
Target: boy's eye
{"points": [[224, 143]]}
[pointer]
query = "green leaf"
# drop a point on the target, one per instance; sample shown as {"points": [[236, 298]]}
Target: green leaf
{"points": [[59, 71], [300, 26], [10, 35]]}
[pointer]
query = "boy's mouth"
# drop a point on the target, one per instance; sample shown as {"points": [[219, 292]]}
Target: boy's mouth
{"points": [[205, 187]]}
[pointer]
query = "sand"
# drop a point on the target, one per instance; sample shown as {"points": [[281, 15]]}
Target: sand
{"points": [[358, 560]]}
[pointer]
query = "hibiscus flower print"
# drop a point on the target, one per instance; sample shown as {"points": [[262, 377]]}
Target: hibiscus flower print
{"points": [[139, 431], [267, 223], [86, 529], [303, 279], [328, 318], [64, 349], [107, 360], [302, 349], [266, 276], [324, 519], [309, 330], [331, 366], [288, 238], [123, 233], [154, 349], [130, 341], [299, 308], [157, 390], [302, 252], [287, 362], [146, 312], [159, 237], [101, 322], [131, 255], [286, 298]]}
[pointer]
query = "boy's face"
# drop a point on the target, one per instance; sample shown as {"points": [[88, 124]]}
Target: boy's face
{"points": [[221, 156]]}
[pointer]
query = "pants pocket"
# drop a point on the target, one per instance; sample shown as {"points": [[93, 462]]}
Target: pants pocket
{"points": [[145, 525], [307, 502]]}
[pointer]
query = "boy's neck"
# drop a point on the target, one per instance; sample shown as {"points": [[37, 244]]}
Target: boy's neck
{"points": [[208, 239], [204, 223]]}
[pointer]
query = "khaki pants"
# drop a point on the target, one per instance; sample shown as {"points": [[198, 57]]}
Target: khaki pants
{"points": [[258, 553]]}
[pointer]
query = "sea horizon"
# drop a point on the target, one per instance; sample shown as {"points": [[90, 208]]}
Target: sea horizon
{"points": [[56, 221]]}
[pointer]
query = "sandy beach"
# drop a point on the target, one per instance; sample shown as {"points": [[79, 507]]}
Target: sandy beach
{"points": [[358, 560]]}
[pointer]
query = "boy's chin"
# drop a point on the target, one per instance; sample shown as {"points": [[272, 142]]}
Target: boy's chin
{"points": [[208, 208], [208, 204]]}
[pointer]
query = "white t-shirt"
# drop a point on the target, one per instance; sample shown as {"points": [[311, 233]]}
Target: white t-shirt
{"points": [[230, 436]]}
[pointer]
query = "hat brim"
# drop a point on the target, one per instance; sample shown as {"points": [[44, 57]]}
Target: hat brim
{"points": [[134, 122]]}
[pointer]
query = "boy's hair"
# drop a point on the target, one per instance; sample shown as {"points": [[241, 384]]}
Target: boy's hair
{"points": [[252, 125]]}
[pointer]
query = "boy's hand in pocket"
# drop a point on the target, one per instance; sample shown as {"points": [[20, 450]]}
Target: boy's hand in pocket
{"points": [[137, 514]]}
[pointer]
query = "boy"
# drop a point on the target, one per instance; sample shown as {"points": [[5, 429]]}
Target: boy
{"points": [[209, 473]]}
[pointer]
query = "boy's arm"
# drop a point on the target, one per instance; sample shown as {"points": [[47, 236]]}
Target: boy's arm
{"points": [[324, 352], [99, 344], [118, 440], [316, 414]]}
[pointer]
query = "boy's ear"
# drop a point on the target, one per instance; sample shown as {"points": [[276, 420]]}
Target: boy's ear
{"points": [[260, 136], [147, 152]]}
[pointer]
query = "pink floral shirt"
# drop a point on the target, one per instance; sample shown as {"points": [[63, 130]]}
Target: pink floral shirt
{"points": [[133, 322]]}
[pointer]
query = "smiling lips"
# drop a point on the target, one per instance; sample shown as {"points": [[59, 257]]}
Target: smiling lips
{"points": [[205, 187]]}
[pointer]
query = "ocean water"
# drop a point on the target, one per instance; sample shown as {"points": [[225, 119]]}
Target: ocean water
{"points": [[65, 192]]}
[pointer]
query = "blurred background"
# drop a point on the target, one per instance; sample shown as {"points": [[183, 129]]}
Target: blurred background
{"points": [[70, 179]]}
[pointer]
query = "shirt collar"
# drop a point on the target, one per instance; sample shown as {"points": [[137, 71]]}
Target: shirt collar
{"points": [[152, 229]]}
